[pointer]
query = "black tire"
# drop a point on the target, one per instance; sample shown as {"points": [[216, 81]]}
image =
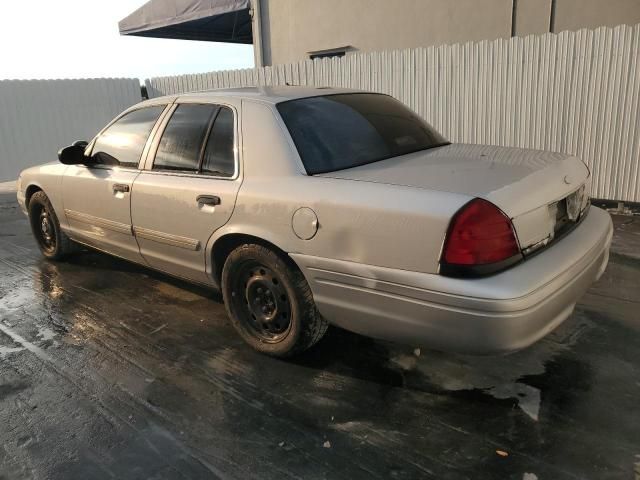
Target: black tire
{"points": [[53, 242], [269, 302]]}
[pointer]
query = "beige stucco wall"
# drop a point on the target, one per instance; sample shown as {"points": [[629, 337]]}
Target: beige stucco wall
{"points": [[292, 28], [576, 14], [532, 17]]}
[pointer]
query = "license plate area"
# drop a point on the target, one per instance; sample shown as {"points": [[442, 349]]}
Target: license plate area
{"points": [[569, 211], [562, 218], [566, 214], [573, 204]]}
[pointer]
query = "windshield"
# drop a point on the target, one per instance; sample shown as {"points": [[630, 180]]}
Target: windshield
{"points": [[335, 132]]}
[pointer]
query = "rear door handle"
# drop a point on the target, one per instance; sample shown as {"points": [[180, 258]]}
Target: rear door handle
{"points": [[211, 200], [120, 187]]}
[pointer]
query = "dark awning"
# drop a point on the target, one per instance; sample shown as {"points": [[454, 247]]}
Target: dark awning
{"points": [[226, 21]]}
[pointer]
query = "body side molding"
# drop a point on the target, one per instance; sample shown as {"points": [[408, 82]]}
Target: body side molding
{"points": [[166, 238], [99, 222]]}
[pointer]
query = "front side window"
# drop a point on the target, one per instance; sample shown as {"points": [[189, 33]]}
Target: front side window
{"points": [[181, 143], [335, 132], [121, 144]]}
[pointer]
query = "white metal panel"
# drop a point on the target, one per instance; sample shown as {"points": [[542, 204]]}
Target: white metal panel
{"points": [[573, 92], [38, 117]]}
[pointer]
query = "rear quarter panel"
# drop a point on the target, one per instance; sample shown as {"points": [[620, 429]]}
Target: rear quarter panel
{"points": [[376, 224]]}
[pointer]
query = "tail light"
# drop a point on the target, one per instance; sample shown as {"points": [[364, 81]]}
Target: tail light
{"points": [[480, 241]]}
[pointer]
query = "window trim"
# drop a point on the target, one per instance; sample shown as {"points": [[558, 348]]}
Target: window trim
{"points": [[153, 149], [147, 144], [207, 134], [206, 143], [213, 115]]}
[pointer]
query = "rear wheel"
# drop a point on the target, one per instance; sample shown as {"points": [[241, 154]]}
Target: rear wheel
{"points": [[269, 302], [53, 242]]}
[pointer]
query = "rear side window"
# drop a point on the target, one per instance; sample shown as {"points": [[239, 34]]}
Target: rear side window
{"points": [[181, 143], [219, 158], [122, 143], [335, 132]]}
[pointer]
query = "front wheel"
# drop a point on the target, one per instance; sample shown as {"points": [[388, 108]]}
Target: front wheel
{"points": [[269, 302], [53, 242]]}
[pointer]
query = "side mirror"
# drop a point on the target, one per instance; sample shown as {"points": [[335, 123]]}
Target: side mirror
{"points": [[73, 154]]}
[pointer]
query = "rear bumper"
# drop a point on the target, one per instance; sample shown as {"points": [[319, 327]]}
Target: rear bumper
{"points": [[501, 313]]}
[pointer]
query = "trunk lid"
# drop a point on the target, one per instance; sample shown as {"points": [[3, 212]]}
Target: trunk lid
{"points": [[528, 185]]}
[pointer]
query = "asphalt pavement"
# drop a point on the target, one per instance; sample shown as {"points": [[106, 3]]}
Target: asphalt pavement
{"points": [[110, 370]]}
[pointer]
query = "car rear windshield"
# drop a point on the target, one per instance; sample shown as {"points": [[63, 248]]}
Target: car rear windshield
{"points": [[335, 132]]}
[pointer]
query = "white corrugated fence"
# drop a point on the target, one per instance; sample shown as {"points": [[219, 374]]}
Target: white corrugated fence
{"points": [[575, 92], [37, 117]]}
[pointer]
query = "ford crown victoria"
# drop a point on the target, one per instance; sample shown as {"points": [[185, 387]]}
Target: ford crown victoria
{"points": [[314, 206]]}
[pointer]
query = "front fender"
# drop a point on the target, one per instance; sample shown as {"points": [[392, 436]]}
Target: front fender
{"points": [[48, 178]]}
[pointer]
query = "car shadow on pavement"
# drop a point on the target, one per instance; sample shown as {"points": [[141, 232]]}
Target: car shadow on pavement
{"points": [[387, 364], [110, 265]]}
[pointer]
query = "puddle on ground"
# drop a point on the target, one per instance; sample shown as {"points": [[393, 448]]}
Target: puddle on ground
{"points": [[528, 397], [498, 376], [45, 333], [176, 292], [4, 351]]}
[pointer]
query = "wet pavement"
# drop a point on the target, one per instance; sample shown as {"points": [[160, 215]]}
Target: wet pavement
{"points": [[108, 370]]}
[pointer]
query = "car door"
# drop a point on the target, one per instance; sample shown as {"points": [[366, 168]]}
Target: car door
{"points": [[188, 188], [96, 196]]}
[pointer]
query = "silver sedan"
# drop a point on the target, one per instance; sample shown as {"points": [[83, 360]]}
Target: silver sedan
{"points": [[314, 206]]}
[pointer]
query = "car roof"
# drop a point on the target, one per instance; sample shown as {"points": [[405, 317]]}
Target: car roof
{"points": [[263, 94]]}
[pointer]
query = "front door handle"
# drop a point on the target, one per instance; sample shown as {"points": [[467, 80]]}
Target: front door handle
{"points": [[211, 200], [120, 187]]}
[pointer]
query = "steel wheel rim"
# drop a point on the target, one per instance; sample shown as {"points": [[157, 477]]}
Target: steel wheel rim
{"points": [[261, 302], [46, 231]]}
